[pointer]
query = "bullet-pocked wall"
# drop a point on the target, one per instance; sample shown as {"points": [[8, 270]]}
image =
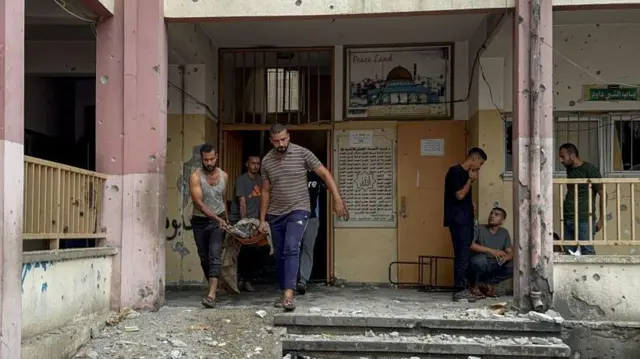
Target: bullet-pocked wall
{"points": [[189, 124], [595, 57], [362, 254]]}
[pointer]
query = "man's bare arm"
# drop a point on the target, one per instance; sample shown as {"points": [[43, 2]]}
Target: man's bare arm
{"points": [[242, 202], [226, 180], [461, 193], [264, 199], [601, 204], [195, 191], [326, 176], [475, 247]]}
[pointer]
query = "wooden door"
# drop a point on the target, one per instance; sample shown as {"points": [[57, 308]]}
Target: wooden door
{"points": [[421, 194]]}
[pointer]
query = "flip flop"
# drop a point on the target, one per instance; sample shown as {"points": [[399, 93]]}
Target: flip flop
{"points": [[209, 302], [288, 304]]}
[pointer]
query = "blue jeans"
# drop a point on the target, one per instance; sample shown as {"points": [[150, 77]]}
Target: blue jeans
{"points": [[286, 235], [583, 235]]}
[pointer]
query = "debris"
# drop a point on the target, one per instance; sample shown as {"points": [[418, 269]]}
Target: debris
{"points": [[177, 343], [200, 327], [92, 355], [541, 317], [539, 341], [261, 313], [499, 308], [124, 313], [131, 328], [315, 310], [175, 354]]}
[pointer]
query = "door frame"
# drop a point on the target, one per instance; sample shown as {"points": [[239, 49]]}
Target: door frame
{"points": [[226, 129]]}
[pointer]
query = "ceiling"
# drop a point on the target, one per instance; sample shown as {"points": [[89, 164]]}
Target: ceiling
{"points": [[344, 31], [53, 12]]}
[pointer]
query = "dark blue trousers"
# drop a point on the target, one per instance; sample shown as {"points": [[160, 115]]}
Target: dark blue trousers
{"points": [[286, 235]]}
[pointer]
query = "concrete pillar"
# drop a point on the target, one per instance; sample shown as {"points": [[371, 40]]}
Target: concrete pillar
{"points": [[12, 169], [131, 102], [532, 151]]}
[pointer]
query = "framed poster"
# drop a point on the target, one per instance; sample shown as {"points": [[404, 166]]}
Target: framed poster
{"points": [[399, 82]]}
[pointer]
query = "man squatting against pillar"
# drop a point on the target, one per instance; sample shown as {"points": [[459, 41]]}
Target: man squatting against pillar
{"points": [[207, 186], [459, 216], [285, 204], [492, 254]]}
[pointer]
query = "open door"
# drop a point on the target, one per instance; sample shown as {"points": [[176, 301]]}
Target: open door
{"points": [[231, 161], [426, 150]]}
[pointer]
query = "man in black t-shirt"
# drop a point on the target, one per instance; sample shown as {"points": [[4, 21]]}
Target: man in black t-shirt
{"points": [[459, 215], [316, 185]]}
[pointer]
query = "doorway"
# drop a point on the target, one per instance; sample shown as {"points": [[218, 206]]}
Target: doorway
{"points": [[238, 145], [421, 195]]}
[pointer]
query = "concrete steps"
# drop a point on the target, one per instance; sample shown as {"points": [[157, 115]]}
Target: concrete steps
{"points": [[325, 336]]}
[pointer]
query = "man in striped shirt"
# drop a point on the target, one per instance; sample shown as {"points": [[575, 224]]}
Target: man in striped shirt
{"points": [[285, 205]]}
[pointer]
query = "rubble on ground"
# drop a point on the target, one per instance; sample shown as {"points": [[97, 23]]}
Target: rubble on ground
{"points": [[185, 333]]}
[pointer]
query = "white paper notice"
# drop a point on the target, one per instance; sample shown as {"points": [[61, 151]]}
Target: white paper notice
{"points": [[432, 147], [360, 138]]}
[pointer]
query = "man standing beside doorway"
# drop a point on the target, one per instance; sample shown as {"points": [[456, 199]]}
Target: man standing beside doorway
{"points": [[246, 204], [315, 185], [285, 204], [459, 216], [577, 168], [207, 186]]}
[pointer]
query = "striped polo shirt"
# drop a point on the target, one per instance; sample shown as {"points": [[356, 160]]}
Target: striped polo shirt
{"points": [[287, 173]]}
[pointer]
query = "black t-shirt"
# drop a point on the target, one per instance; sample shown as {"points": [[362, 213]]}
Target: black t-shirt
{"points": [[457, 212], [315, 184]]}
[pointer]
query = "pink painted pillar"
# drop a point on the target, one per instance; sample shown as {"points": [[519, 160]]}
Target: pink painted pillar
{"points": [[12, 174], [131, 146], [532, 154]]}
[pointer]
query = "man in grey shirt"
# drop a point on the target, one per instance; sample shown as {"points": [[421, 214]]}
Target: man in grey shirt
{"points": [[491, 262], [246, 204]]}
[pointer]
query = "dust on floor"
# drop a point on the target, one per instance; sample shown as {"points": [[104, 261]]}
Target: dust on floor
{"points": [[188, 332]]}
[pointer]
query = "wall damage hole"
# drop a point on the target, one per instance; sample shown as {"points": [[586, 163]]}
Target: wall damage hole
{"points": [[104, 79], [596, 277], [152, 158], [298, 2], [584, 278]]}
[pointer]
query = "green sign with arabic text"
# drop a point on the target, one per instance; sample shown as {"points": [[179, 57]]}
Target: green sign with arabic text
{"points": [[611, 93]]}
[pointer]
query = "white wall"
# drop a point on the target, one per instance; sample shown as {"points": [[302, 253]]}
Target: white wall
{"points": [[585, 54], [58, 292]]}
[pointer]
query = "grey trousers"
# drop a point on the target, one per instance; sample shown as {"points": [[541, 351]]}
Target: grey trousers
{"points": [[306, 249]]}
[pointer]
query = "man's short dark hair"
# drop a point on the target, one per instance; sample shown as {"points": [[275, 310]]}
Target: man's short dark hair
{"points": [[206, 148], [477, 151], [277, 128], [501, 210], [571, 148], [252, 155]]}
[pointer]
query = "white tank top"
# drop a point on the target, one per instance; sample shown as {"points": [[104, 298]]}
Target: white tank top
{"points": [[212, 196]]}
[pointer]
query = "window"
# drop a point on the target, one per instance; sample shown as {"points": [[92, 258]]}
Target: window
{"points": [[284, 90], [581, 130], [625, 143]]}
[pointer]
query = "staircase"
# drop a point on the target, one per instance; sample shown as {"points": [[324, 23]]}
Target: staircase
{"points": [[474, 334]]}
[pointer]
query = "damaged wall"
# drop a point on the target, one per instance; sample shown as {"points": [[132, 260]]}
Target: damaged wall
{"points": [[602, 53], [597, 288]]}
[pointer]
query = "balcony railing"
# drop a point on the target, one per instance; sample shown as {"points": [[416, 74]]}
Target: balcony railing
{"points": [[61, 202], [619, 205]]}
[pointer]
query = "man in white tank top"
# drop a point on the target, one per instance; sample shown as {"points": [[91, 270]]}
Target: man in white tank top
{"points": [[207, 187]]}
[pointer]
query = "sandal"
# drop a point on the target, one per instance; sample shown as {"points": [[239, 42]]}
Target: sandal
{"points": [[209, 302], [288, 304], [490, 291]]}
